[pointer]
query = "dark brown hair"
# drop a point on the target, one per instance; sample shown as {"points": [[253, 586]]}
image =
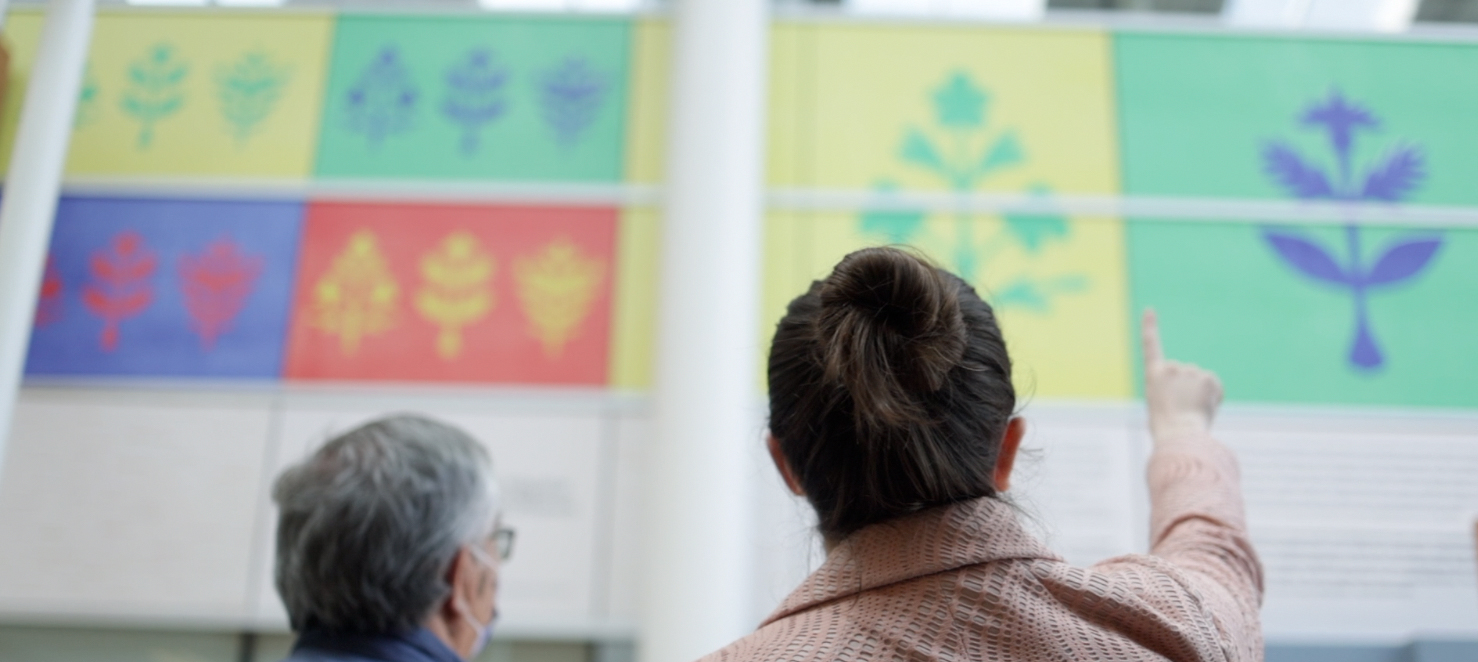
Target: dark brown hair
{"points": [[890, 390]]}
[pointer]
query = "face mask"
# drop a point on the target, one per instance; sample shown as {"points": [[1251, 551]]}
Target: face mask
{"points": [[484, 630]]}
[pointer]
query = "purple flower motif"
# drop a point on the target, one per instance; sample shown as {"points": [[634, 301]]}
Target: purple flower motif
{"points": [[1391, 179], [382, 100], [475, 96], [1341, 119], [570, 98]]}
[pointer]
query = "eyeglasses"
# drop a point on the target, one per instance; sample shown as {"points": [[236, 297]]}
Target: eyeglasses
{"points": [[503, 540]]}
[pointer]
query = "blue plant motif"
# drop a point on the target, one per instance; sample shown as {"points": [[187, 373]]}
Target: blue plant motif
{"points": [[382, 101], [570, 98], [153, 91], [475, 96], [964, 154], [248, 89], [1390, 178]]}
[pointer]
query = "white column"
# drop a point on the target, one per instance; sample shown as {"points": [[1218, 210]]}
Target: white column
{"points": [[32, 183], [697, 546]]}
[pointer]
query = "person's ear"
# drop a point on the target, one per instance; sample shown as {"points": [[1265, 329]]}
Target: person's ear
{"points": [[449, 620], [464, 577], [783, 466], [1010, 443]]}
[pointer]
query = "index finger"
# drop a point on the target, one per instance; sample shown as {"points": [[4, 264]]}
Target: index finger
{"points": [[1150, 337]]}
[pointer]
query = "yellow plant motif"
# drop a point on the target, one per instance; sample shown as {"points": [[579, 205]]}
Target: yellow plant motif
{"points": [[357, 297], [458, 289], [557, 285]]}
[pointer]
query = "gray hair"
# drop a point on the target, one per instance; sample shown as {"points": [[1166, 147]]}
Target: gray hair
{"points": [[370, 523]]}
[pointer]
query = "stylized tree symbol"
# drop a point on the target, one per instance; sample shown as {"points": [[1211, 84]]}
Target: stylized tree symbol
{"points": [[1390, 179], [475, 95], [154, 89], [964, 154], [49, 303], [248, 88], [383, 99], [87, 99], [120, 288], [570, 98], [216, 284], [357, 296], [556, 287], [458, 289]]}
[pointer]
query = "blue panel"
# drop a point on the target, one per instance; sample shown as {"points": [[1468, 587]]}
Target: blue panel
{"points": [[166, 288], [1444, 651], [1331, 653], [1422, 650]]}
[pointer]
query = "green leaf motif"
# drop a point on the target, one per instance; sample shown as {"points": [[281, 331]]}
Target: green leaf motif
{"points": [[1005, 151], [154, 93], [1037, 295], [919, 150], [248, 89], [87, 100], [959, 103], [1034, 231]]}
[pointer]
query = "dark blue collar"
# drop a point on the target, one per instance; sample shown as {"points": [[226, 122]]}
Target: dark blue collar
{"points": [[418, 645]]}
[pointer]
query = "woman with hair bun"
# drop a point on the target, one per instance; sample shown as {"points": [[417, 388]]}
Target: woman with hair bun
{"points": [[892, 412]]}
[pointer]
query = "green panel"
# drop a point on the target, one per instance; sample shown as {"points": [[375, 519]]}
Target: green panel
{"points": [[1275, 310], [1228, 302], [476, 98], [1197, 112], [20, 643]]}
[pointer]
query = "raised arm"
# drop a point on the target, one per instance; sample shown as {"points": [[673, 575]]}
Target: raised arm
{"points": [[1197, 520]]}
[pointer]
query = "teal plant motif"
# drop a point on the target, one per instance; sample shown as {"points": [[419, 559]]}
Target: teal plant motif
{"points": [[87, 100], [964, 152], [154, 93], [248, 89]]}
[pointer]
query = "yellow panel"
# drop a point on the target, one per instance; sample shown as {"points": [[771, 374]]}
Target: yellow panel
{"points": [[22, 34], [876, 85], [191, 94], [791, 102], [969, 109], [647, 118], [634, 314]]}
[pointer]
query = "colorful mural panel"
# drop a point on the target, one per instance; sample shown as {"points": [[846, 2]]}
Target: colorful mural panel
{"points": [[166, 288], [454, 293], [459, 97], [191, 94], [960, 115], [1364, 314]]}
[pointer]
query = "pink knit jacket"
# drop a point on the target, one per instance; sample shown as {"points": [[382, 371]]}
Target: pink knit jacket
{"points": [[968, 582]]}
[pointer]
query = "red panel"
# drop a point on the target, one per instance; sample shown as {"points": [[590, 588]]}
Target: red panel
{"points": [[512, 295]]}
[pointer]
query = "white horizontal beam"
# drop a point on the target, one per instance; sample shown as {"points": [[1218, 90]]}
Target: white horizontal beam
{"points": [[1190, 209]]}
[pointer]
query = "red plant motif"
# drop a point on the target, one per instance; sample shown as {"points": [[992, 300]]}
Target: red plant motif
{"points": [[121, 287], [49, 305], [216, 284]]}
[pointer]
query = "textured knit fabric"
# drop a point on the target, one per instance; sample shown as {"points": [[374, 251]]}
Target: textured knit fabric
{"points": [[968, 582], [416, 646]]}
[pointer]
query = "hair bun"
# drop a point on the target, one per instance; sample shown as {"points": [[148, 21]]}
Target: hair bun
{"points": [[890, 327]]}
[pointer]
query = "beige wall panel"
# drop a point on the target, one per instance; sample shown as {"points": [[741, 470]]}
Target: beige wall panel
{"points": [[131, 506]]}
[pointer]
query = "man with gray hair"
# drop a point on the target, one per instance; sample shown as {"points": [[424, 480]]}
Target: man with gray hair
{"points": [[388, 545]]}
